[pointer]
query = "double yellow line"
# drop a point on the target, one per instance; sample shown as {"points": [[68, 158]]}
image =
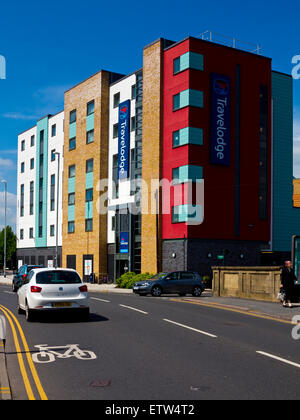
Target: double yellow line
{"points": [[13, 321]]}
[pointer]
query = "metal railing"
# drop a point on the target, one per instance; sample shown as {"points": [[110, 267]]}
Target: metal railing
{"points": [[230, 42]]}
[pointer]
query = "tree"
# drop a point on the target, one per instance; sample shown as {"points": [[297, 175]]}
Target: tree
{"points": [[11, 245]]}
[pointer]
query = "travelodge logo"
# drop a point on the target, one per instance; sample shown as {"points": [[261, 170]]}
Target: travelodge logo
{"points": [[123, 112], [221, 87]]}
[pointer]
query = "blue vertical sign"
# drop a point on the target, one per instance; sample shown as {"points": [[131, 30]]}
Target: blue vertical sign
{"points": [[124, 140], [220, 119], [124, 243]]}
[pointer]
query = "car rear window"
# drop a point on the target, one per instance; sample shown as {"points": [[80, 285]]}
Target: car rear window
{"points": [[32, 267], [58, 277]]}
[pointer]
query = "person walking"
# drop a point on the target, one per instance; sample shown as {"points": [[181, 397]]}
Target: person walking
{"points": [[288, 279]]}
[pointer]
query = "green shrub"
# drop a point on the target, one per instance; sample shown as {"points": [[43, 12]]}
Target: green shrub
{"points": [[121, 281], [127, 280]]}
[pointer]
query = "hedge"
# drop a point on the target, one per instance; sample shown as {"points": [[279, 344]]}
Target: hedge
{"points": [[127, 280]]}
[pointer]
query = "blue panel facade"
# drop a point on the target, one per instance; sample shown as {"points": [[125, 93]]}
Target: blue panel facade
{"points": [[286, 219]]}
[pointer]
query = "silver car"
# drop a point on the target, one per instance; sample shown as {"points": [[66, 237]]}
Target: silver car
{"points": [[51, 289]]}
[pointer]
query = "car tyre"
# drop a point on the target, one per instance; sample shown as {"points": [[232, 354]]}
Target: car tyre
{"points": [[20, 311], [29, 314], [182, 294], [14, 288], [156, 291], [197, 291]]}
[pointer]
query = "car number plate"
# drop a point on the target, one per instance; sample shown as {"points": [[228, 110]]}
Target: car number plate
{"points": [[61, 304]]}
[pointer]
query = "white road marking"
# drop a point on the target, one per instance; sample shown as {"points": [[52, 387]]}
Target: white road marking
{"points": [[288, 362], [101, 300], [190, 328], [134, 309], [9, 293]]}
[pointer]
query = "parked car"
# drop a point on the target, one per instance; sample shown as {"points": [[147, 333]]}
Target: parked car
{"points": [[49, 289], [21, 276], [177, 282]]}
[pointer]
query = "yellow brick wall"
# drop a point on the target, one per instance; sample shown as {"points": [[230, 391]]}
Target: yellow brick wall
{"points": [[296, 197], [80, 243], [152, 143]]}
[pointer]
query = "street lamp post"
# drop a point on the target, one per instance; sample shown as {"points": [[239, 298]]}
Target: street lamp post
{"points": [[5, 206], [57, 208]]}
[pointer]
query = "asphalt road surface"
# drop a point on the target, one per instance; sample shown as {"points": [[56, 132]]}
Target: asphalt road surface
{"points": [[145, 348]]}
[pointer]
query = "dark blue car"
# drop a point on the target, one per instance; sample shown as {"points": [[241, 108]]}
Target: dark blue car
{"points": [[176, 282]]}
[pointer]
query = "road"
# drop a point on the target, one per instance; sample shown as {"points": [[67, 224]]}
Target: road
{"points": [[144, 348]]}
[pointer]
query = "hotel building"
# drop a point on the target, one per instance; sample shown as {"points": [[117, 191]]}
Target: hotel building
{"points": [[194, 152]]}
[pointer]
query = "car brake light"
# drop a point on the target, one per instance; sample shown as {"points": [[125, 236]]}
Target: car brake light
{"points": [[83, 288], [35, 289], [24, 276]]}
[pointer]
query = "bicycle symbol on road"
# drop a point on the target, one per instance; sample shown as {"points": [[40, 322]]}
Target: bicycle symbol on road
{"points": [[49, 354]]}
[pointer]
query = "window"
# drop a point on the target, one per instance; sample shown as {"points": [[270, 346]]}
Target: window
{"points": [[176, 139], [32, 141], [72, 171], [22, 201], [89, 225], [176, 102], [42, 136], [90, 137], [53, 130], [71, 227], [89, 195], [89, 165], [116, 99], [72, 143], [31, 233], [31, 198], [133, 91], [40, 231], [22, 167], [53, 155], [71, 199], [52, 230], [115, 131], [22, 145], [90, 108], [176, 65], [133, 123], [73, 116], [32, 163], [21, 233], [52, 193]]}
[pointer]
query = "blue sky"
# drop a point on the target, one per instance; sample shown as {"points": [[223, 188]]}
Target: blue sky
{"points": [[50, 46]]}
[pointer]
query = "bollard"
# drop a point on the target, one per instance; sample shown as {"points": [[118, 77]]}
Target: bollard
{"points": [[2, 329]]}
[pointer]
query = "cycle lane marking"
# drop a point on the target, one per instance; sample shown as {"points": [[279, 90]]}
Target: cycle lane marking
{"points": [[52, 352], [27, 351]]}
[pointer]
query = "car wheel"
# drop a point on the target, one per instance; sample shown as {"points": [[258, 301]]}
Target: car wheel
{"points": [[156, 291], [29, 314], [20, 311], [197, 291], [14, 288], [182, 294]]}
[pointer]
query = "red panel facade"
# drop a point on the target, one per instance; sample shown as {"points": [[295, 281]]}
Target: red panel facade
{"points": [[219, 181]]}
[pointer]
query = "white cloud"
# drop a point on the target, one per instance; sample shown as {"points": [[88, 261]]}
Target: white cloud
{"points": [[11, 213], [19, 116], [6, 163]]}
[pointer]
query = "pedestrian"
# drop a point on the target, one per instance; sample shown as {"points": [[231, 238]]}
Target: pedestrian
{"points": [[288, 279]]}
